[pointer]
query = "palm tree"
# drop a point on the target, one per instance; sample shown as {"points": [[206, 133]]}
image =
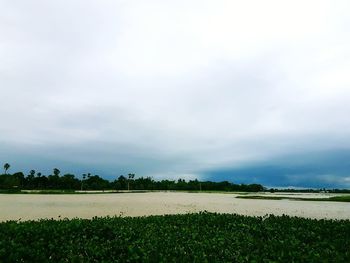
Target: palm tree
{"points": [[39, 180], [82, 182], [6, 167], [56, 172], [130, 176]]}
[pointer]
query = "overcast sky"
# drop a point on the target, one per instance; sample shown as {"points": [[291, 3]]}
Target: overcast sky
{"points": [[245, 91]]}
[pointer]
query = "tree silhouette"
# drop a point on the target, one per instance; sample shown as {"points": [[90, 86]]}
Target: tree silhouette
{"points": [[6, 167], [56, 172], [130, 176], [128, 182], [82, 182]]}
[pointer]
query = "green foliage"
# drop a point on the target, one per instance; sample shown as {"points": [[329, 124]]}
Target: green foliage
{"points": [[37, 181], [342, 198], [308, 190], [6, 167], [262, 197], [203, 237]]}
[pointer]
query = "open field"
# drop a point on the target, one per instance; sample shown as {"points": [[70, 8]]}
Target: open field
{"points": [[27, 207]]}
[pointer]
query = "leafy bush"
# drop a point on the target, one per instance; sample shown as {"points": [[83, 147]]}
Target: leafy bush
{"points": [[203, 237]]}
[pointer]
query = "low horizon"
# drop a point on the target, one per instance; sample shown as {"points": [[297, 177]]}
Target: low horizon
{"points": [[9, 170]]}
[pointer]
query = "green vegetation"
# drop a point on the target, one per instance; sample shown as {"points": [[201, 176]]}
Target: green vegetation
{"points": [[342, 198], [203, 237], [37, 181], [308, 190], [263, 197], [6, 167]]}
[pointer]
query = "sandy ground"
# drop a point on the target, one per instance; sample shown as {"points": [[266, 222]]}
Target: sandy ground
{"points": [[36, 206]]}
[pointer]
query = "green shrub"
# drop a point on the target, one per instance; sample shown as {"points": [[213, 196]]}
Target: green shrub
{"points": [[203, 237]]}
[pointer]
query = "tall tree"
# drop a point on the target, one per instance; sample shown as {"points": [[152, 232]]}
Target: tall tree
{"points": [[130, 177], [82, 182], [56, 172], [6, 167]]}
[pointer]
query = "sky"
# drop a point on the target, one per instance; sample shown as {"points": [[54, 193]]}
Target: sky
{"points": [[245, 91]]}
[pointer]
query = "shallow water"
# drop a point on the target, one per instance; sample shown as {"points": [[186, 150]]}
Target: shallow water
{"points": [[36, 206]]}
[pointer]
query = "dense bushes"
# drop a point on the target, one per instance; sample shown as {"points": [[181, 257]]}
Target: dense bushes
{"points": [[203, 237]]}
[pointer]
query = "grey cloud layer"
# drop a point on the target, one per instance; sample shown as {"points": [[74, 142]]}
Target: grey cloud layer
{"points": [[172, 88]]}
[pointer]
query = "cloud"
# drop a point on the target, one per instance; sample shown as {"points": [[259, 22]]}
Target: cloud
{"points": [[166, 88], [316, 169]]}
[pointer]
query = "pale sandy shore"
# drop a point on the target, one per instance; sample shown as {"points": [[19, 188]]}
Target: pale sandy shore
{"points": [[36, 206]]}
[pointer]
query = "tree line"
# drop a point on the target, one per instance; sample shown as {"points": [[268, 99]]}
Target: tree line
{"points": [[55, 181]]}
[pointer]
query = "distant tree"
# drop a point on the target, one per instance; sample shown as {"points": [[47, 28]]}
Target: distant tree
{"points": [[94, 182], [39, 180], [56, 172], [19, 176], [120, 183], [29, 181], [69, 182], [82, 182], [6, 167], [130, 177]]}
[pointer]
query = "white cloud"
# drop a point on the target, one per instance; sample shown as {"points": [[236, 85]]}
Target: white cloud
{"points": [[183, 86]]}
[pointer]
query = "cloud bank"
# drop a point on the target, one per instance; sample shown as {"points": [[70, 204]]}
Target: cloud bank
{"points": [[177, 89]]}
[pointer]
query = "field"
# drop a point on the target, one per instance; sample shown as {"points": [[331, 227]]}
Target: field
{"points": [[202, 237], [36, 206]]}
